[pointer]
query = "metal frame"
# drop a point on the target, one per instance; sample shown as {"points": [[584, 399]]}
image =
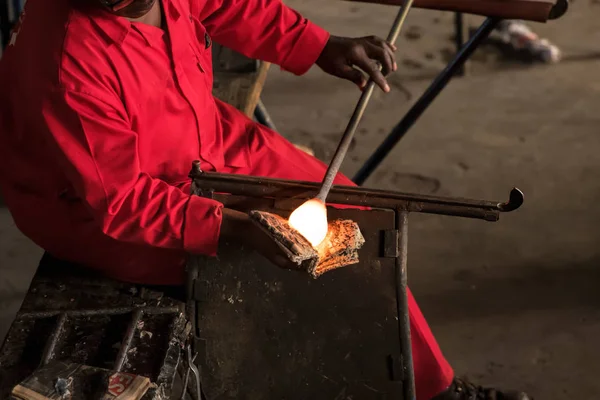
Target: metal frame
{"points": [[461, 33], [234, 190]]}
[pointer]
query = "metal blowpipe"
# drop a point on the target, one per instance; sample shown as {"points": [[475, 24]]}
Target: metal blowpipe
{"points": [[359, 110]]}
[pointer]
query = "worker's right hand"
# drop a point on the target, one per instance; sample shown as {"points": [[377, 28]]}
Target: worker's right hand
{"points": [[371, 54], [237, 227]]}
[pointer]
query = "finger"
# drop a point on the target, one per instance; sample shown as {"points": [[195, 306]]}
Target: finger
{"points": [[380, 42], [390, 49], [353, 75], [372, 69], [388, 45], [383, 56]]}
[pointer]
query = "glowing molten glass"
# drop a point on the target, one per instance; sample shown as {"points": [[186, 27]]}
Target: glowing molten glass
{"points": [[310, 219]]}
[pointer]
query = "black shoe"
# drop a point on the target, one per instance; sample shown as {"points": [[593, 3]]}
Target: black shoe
{"points": [[464, 390]]}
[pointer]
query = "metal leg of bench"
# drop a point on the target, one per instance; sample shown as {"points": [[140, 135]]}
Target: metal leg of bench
{"points": [[402, 305], [424, 101], [262, 116], [461, 35]]}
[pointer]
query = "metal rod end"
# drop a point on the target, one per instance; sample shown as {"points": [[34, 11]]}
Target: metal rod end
{"points": [[559, 9], [515, 201]]}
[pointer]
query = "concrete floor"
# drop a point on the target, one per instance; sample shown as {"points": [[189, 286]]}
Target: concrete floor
{"points": [[513, 303]]}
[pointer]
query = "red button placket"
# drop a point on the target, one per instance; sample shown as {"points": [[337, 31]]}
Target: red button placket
{"points": [[186, 62]]}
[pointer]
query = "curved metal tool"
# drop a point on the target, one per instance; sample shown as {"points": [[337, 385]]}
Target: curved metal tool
{"points": [[194, 369], [186, 378], [515, 201], [559, 9]]}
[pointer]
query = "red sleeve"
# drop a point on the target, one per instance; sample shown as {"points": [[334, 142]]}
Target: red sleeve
{"points": [[98, 153], [263, 29]]}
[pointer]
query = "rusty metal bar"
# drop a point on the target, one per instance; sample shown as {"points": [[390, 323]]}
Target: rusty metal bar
{"points": [[280, 189], [100, 311], [50, 348], [126, 344], [402, 303]]}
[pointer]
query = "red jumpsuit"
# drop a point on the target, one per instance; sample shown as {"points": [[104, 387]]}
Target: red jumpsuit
{"points": [[101, 118]]}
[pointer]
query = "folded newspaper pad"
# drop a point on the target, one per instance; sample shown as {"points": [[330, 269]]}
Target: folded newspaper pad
{"points": [[63, 380]]}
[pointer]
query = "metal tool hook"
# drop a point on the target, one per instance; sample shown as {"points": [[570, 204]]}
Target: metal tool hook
{"points": [[559, 9], [515, 201], [194, 369]]}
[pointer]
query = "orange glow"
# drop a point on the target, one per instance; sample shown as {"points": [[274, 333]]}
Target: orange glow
{"points": [[310, 219]]}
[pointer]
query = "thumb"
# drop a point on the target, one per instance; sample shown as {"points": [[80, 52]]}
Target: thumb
{"points": [[353, 75]]}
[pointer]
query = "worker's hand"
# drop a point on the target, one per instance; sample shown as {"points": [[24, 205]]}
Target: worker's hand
{"points": [[342, 56], [238, 227]]}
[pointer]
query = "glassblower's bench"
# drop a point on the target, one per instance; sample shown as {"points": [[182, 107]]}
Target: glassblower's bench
{"points": [[255, 331]]}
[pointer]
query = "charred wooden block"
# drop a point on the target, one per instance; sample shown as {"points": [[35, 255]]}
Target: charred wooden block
{"points": [[338, 249]]}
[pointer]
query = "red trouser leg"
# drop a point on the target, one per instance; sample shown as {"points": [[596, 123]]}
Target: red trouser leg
{"points": [[273, 156]]}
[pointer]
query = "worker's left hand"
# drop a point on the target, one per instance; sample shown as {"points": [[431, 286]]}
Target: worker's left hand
{"points": [[341, 57]]}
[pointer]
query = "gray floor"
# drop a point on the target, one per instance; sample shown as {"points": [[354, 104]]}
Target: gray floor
{"points": [[513, 303]]}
